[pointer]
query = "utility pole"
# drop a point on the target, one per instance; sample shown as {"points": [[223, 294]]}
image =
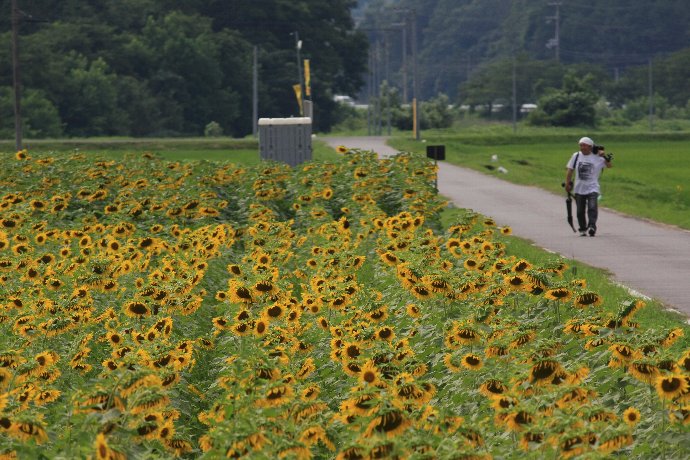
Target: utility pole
{"points": [[556, 41], [403, 28], [651, 98], [415, 77], [255, 91], [514, 97], [16, 82], [298, 45]]}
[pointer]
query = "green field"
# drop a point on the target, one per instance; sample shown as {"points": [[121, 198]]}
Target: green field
{"points": [[648, 178], [243, 151]]}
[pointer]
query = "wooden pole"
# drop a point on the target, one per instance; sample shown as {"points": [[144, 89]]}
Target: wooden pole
{"points": [[16, 82]]}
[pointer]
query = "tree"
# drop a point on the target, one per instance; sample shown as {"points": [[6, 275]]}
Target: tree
{"points": [[169, 67], [573, 105], [493, 83]]}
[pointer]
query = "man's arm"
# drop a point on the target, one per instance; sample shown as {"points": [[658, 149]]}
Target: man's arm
{"points": [[607, 158]]}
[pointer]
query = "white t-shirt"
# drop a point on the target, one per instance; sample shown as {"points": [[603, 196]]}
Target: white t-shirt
{"points": [[587, 172]]}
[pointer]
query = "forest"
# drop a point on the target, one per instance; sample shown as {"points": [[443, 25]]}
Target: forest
{"points": [[173, 68], [169, 68], [473, 50]]}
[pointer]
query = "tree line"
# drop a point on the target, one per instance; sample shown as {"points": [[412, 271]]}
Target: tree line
{"points": [[485, 53], [172, 67]]}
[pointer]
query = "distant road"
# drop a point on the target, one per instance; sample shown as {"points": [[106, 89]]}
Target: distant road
{"points": [[652, 259]]}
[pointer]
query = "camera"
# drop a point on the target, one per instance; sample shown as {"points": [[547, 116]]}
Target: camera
{"points": [[596, 148]]}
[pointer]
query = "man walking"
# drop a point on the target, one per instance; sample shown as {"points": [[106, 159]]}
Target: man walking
{"points": [[587, 167]]}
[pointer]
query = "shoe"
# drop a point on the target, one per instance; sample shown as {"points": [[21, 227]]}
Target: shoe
{"points": [[592, 231], [583, 233]]}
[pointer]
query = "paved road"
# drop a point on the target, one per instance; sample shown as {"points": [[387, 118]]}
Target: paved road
{"points": [[650, 258]]}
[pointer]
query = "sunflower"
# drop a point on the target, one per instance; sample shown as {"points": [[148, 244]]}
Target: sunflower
{"points": [[644, 371], [370, 374], [314, 434], [37, 205], [420, 292], [670, 387], [472, 264], [518, 282], [103, 450], [389, 258], [136, 309], [684, 361], [448, 361], [624, 352], [464, 335], [276, 396], [495, 351], [562, 294], [602, 416], [472, 362], [342, 149], [519, 420], [615, 443], [587, 299], [543, 371], [671, 337], [577, 396], [413, 311], [631, 416], [575, 445], [261, 327], [378, 315], [47, 396], [178, 446], [390, 424], [263, 287], [530, 439], [384, 333], [239, 293], [274, 312], [46, 358], [492, 387]]}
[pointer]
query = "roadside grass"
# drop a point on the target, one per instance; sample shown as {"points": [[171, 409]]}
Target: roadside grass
{"points": [[648, 178]]}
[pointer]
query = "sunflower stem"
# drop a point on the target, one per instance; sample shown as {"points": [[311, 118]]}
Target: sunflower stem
{"points": [[663, 426]]}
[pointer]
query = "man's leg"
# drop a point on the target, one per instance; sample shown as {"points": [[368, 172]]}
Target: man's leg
{"points": [[593, 212], [581, 205]]}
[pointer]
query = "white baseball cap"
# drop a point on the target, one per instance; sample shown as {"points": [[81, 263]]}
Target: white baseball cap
{"points": [[586, 140]]}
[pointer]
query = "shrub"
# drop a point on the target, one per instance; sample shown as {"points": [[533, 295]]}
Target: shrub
{"points": [[213, 129]]}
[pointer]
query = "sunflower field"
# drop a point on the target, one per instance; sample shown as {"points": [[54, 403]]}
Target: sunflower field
{"points": [[154, 309]]}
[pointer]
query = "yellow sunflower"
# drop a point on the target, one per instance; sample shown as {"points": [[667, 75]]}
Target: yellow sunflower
{"points": [[472, 362], [670, 387], [631, 416]]}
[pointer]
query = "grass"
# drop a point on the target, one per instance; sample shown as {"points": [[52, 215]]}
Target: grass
{"points": [[648, 178], [243, 151]]}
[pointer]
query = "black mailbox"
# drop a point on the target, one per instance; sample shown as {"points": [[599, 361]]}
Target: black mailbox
{"points": [[436, 152]]}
